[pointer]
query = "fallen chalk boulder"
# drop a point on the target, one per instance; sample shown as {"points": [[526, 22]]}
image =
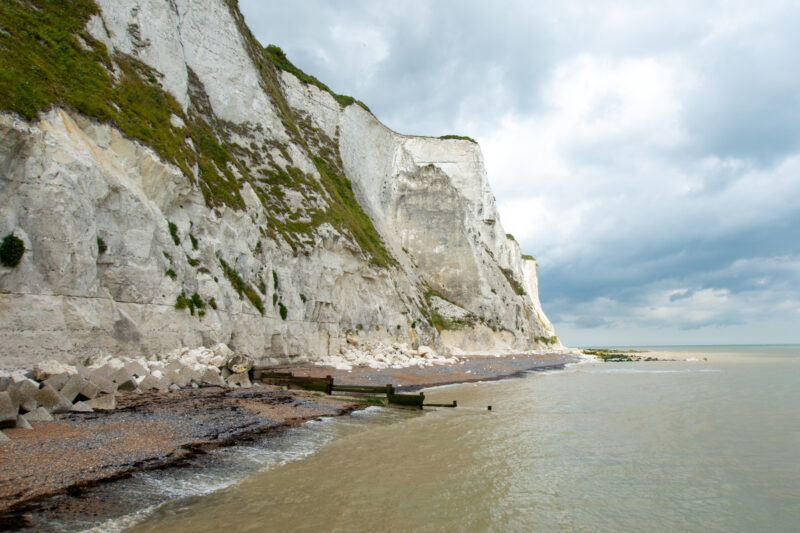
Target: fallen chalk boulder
{"points": [[240, 363], [240, 380]]}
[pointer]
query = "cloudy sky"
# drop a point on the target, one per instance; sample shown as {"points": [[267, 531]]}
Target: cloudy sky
{"points": [[647, 153]]}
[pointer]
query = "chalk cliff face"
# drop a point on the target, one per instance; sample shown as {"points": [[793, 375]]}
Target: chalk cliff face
{"points": [[302, 223]]}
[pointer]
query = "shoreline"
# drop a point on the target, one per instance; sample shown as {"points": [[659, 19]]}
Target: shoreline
{"points": [[58, 469]]}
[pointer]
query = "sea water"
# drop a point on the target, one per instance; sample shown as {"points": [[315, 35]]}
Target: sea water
{"points": [[699, 445]]}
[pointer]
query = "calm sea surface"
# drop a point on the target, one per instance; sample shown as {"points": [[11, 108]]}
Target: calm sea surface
{"points": [[705, 445]]}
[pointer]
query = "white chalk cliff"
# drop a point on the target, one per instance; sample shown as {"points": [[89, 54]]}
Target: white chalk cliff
{"points": [[280, 275]]}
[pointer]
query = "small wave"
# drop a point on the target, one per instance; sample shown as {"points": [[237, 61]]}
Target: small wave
{"points": [[116, 525], [652, 371]]}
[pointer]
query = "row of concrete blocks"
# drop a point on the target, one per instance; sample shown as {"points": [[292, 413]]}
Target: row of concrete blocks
{"points": [[24, 400]]}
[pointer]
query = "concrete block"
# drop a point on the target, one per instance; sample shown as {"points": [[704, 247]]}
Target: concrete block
{"points": [[57, 381], [27, 386], [82, 371], [22, 422], [105, 371], [81, 407], [52, 400], [127, 386], [89, 391], [103, 402], [105, 385], [72, 388], [8, 411], [136, 368], [121, 376], [152, 382], [40, 414], [22, 395]]}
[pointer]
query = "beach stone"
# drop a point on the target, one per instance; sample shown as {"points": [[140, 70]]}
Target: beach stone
{"points": [[3, 437], [52, 400], [5, 381], [58, 381], [81, 407], [40, 414], [174, 387], [51, 367], [105, 385], [8, 411], [73, 387], [104, 402], [22, 422], [240, 363], [225, 372], [212, 378], [239, 380]]}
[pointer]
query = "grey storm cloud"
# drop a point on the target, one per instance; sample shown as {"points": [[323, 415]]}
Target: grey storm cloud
{"points": [[648, 154]]}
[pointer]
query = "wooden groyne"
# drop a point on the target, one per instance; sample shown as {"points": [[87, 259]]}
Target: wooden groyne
{"points": [[329, 386]]}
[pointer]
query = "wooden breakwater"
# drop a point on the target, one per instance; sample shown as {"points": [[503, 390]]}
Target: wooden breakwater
{"points": [[329, 386]]}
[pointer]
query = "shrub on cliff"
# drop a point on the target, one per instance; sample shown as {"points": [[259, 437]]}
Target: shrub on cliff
{"points": [[11, 250]]}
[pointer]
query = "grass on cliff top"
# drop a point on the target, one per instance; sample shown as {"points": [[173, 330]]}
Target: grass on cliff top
{"points": [[459, 137], [278, 58]]}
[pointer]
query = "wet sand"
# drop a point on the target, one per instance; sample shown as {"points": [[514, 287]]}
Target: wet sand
{"points": [[58, 467]]}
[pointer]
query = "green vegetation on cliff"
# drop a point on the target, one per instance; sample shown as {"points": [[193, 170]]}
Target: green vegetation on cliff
{"points": [[459, 137], [279, 59], [48, 59], [11, 250]]}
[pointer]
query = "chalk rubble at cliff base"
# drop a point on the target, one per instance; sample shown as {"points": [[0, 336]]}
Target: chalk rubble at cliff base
{"points": [[53, 387], [379, 355]]}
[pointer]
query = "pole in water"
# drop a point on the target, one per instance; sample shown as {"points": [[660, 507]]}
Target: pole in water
{"points": [[489, 408]]}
